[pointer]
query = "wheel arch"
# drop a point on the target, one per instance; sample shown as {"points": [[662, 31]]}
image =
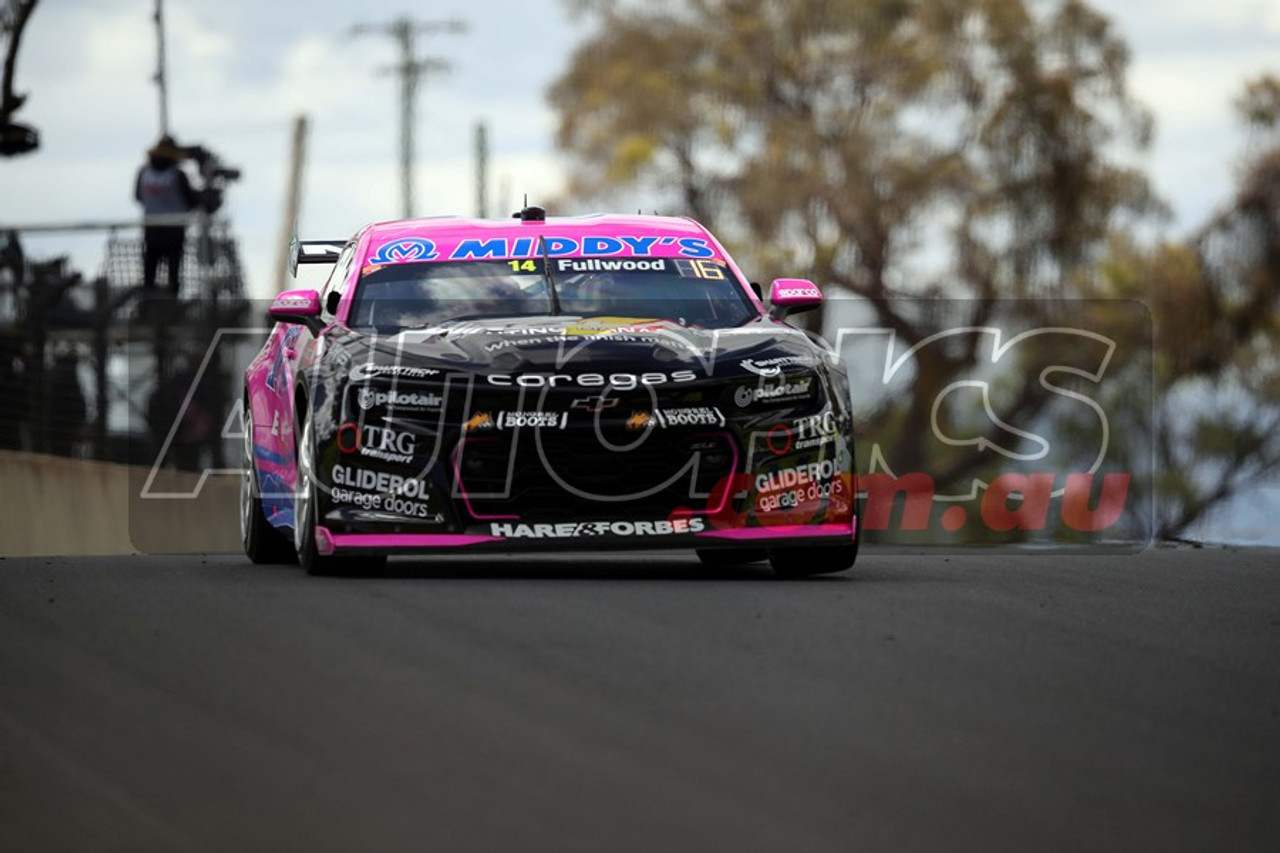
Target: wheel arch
{"points": [[301, 401]]}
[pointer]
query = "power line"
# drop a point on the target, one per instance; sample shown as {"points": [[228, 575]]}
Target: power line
{"points": [[410, 69]]}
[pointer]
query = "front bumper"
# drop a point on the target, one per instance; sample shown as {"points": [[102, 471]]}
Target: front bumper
{"points": [[537, 539]]}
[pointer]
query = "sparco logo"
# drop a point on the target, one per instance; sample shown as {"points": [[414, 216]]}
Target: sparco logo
{"points": [[798, 293], [370, 397], [625, 381]]}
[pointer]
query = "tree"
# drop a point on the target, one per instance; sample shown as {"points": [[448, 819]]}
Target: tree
{"points": [[1215, 298], [895, 149]]}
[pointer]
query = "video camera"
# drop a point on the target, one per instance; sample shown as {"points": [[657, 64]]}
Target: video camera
{"points": [[215, 174]]}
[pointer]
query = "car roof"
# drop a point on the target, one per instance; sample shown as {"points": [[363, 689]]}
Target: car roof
{"points": [[460, 238]]}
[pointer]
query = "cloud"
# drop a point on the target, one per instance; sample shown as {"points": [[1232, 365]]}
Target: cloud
{"points": [[238, 73], [240, 70]]}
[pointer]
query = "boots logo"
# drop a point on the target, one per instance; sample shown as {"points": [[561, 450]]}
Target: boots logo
{"points": [[666, 418], [516, 420]]}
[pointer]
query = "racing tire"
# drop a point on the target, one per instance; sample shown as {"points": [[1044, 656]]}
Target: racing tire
{"points": [[304, 520], [727, 557], [818, 560], [263, 543]]}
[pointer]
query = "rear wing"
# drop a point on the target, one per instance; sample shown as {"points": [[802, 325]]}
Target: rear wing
{"points": [[313, 252]]}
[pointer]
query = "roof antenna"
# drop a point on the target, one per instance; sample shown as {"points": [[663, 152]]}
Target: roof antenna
{"points": [[530, 214]]}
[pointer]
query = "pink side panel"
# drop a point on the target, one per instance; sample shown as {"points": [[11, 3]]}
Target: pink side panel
{"points": [[269, 381]]}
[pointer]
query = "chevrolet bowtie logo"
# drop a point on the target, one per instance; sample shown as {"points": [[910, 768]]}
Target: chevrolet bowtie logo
{"points": [[594, 404]]}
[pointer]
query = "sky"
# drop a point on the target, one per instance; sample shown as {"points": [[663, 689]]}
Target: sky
{"points": [[239, 72]]}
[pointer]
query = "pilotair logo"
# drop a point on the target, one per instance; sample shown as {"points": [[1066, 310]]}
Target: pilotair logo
{"points": [[984, 414]]}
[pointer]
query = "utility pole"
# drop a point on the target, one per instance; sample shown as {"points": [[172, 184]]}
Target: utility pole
{"points": [[161, 77], [292, 201], [410, 68], [482, 170]]}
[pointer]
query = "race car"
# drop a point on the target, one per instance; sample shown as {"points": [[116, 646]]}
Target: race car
{"points": [[541, 383]]}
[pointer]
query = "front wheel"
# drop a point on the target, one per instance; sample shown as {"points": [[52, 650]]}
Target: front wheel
{"points": [[304, 519], [726, 557], [819, 560], [263, 544]]}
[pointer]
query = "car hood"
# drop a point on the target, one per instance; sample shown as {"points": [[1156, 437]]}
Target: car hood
{"points": [[575, 344]]}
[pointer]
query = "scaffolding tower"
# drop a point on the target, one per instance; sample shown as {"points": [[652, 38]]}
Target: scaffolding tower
{"points": [[96, 368]]}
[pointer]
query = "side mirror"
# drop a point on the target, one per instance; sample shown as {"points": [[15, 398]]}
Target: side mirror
{"points": [[791, 296], [297, 306]]}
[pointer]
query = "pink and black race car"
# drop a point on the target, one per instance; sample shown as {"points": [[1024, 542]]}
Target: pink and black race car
{"points": [[463, 385]]}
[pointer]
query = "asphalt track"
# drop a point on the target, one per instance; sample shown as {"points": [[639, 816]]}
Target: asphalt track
{"points": [[640, 702]]}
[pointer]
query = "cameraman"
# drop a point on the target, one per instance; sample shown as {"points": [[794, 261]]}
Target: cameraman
{"points": [[163, 190]]}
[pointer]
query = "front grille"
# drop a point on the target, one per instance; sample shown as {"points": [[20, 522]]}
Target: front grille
{"points": [[566, 453], [581, 474]]}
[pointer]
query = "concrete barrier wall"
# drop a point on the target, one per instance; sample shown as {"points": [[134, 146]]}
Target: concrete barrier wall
{"points": [[57, 506]]}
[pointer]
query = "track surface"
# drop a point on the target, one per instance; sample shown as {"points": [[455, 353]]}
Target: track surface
{"points": [[642, 703]]}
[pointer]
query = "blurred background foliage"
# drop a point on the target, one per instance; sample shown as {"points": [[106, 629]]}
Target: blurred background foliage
{"points": [[973, 150]]}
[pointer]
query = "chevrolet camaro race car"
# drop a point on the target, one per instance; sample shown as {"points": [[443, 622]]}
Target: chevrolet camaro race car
{"points": [[462, 385]]}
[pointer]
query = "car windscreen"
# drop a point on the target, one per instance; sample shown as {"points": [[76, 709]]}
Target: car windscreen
{"points": [[700, 293]]}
